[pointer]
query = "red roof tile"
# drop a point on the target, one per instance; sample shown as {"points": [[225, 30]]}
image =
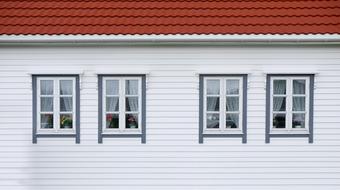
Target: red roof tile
{"points": [[170, 17]]}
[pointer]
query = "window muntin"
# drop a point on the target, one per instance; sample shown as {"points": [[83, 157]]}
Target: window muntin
{"points": [[122, 105], [223, 104], [289, 104], [56, 105]]}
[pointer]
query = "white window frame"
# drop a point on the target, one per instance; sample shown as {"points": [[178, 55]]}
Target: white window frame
{"points": [[289, 105], [56, 106], [122, 113], [222, 112]]}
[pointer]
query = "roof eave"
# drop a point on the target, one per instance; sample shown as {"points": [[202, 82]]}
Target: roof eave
{"points": [[254, 38]]}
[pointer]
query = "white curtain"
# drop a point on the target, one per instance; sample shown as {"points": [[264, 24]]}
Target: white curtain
{"points": [[46, 104], [299, 86], [234, 118], [112, 104], [46, 87], [66, 104], [131, 87], [232, 103], [213, 103], [132, 102], [232, 86], [279, 88], [298, 103], [112, 87], [213, 87], [66, 87]]}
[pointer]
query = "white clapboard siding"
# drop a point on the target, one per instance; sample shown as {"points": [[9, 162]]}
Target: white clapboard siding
{"points": [[171, 157]]}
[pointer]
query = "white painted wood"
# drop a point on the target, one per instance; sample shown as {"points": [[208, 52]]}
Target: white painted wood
{"points": [[171, 157]]}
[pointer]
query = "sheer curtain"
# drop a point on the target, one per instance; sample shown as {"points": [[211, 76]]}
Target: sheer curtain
{"points": [[233, 105], [46, 104], [298, 103], [213, 103], [279, 88], [112, 104], [132, 89], [46, 87]]}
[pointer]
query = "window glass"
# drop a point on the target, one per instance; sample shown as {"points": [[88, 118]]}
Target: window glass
{"points": [[66, 121], [232, 120], [213, 87], [213, 120], [46, 87], [299, 103], [131, 121], [131, 87], [298, 120], [112, 121], [232, 86], [279, 87], [279, 120], [66, 104], [112, 87], [279, 104], [66, 87], [232, 103], [112, 104], [46, 104], [131, 103], [299, 86], [46, 121], [213, 103]]}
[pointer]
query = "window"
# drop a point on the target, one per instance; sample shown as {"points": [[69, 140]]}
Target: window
{"points": [[223, 106], [289, 106], [56, 106], [122, 106]]}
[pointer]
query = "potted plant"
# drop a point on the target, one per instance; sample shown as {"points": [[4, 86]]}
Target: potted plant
{"points": [[66, 122]]}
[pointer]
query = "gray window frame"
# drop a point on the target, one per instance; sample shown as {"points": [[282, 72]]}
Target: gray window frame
{"points": [[36, 135], [310, 135], [102, 135], [201, 134]]}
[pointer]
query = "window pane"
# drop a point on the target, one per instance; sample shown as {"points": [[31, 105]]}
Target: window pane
{"points": [[66, 87], [112, 87], [232, 121], [298, 103], [232, 104], [279, 104], [46, 87], [112, 121], [131, 103], [279, 87], [213, 120], [213, 103], [299, 86], [213, 87], [279, 120], [66, 121], [46, 104], [66, 104], [298, 120], [112, 104], [131, 121], [46, 121], [232, 86], [131, 87]]}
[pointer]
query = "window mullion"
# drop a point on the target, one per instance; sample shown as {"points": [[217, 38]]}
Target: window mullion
{"points": [[56, 104], [289, 104], [121, 105], [222, 104]]}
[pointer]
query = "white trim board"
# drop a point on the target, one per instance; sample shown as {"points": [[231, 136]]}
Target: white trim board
{"points": [[320, 38]]}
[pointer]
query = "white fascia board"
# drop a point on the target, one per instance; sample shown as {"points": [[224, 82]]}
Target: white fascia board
{"points": [[55, 72], [320, 38], [121, 72]]}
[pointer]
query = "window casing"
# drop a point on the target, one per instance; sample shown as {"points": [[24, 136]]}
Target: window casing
{"points": [[56, 107], [289, 106], [122, 106], [223, 106]]}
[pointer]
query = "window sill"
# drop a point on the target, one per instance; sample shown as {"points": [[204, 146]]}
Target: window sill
{"points": [[290, 132]]}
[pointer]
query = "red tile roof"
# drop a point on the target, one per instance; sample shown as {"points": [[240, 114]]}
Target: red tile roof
{"points": [[170, 17]]}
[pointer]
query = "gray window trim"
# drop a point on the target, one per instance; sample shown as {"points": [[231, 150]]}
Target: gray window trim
{"points": [[201, 135], [35, 136], [100, 114], [310, 136]]}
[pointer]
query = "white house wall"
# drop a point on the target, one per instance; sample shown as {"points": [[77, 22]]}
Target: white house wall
{"points": [[172, 158]]}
